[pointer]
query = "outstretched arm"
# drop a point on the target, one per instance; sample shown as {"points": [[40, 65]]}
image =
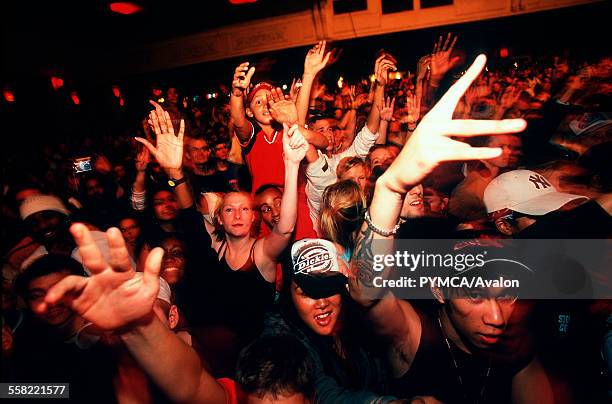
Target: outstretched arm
{"points": [[169, 151], [315, 61], [240, 84], [115, 298], [386, 115], [430, 145], [381, 69], [268, 250]]}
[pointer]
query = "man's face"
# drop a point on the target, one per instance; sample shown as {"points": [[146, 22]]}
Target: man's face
{"points": [[290, 398], [357, 174], [380, 157], [269, 203], [165, 207], [56, 316], [511, 151], [435, 202], [46, 226], [413, 206], [173, 262], [258, 108], [329, 128], [480, 316], [93, 189], [222, 151], [198, 151]]}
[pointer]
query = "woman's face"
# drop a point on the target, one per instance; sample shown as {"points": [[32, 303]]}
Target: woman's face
{"points": [[173, 262], [165, 206], [320, 315], [130, 230], [236, 215]]}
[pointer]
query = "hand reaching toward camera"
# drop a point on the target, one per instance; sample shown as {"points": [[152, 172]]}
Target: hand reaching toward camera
{"points": [[432, 143], [113, 296], [169, 150], [386, 109], [282, 109]]}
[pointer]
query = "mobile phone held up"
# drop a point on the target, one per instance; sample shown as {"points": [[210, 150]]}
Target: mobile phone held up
{"points": [[82, 165]]}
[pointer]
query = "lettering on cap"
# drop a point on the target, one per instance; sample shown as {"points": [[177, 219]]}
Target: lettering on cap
{"points": [[537, 180]]}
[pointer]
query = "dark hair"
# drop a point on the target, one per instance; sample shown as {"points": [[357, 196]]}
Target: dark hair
{"points": [[277, 365], [46, 265], [265, 187]]}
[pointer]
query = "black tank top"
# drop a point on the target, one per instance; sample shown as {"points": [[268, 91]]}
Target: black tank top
{"points": [[241, 296], [433, 373]]}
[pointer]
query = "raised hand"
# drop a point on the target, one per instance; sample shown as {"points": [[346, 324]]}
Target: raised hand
{"points": [[441, 61], [296, 85], [413, 109], [242, 79], [113, 296], [431, 142], [142, 159], [386, 109], [423, 67], [383, 64], [316, 59], [282, 110], [169, 150], [295, 145]]}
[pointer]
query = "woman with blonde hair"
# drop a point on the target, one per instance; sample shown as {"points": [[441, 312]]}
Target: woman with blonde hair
{"points": [[341, 216]]}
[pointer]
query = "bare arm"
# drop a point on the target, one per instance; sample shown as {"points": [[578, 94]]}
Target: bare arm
{"points": [[430, 144], [240, 83], [315, 61], [268, 250], [386, 115], [383, 64], [531, 385]]}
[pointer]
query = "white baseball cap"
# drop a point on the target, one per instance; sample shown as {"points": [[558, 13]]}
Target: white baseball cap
{"points": [[526, 192], [39, 203]]}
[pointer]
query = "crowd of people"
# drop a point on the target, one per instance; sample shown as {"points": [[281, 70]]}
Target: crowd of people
{"points": [[223, 255]]}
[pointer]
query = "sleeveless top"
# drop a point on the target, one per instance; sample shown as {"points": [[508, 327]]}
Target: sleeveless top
{"points": [[433, 373], [242, 296]]}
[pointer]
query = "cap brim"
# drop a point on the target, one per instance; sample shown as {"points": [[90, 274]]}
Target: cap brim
{"points": [[318, 287], [546, 203]]}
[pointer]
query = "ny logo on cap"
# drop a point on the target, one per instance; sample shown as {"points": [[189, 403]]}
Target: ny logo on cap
{"points": [[538, 180]]}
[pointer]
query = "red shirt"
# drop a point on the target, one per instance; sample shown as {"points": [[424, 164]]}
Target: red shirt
{"points": [[233, 393], [264, 158]]}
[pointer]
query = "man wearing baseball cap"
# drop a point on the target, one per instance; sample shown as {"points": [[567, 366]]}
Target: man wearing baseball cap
{"points": [[524, 204]]}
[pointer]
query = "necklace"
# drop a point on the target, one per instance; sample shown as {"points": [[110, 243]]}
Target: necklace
{"points": [[450, 351], [273, 139]]}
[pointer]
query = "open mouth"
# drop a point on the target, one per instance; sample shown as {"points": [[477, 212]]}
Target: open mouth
{"points": [[323, 319], [418, 202]]}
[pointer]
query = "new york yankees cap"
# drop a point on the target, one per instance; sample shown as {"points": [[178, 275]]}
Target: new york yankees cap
{"points": [[526, 192]]}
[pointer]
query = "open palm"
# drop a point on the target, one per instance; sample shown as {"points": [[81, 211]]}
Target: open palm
{"points": [[431, 142], [114, 296], [169, 150]]}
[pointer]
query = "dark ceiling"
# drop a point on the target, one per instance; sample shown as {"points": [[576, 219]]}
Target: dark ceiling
{"points": [[38, 36]]}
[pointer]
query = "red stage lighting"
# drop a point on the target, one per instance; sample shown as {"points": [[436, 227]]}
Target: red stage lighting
{"points": [[241, 1], [75, 98], [116, 91], [8, 96], [57, 82], [503, 53], [125, 8]]}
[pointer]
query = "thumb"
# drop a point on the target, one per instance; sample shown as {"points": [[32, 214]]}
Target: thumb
{"points": [[147, 144]]}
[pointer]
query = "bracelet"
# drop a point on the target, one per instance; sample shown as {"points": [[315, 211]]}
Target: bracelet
{"points": [[384, 233]]}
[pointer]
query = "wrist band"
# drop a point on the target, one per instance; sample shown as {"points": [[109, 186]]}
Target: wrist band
{"points": [[384, 233]]}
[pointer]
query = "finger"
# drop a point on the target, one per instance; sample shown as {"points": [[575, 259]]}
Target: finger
{"points": [[477, 153], [181, 133], [445, 47], [449, 101], [250, 74], [474, 127], [155, 123], [150, 276], [322, 48], [119, 256], [147, 144], [156, 105], [161, 119], [392, 103], [66, 290], [88, 250], [452, 45], [168, 122]]}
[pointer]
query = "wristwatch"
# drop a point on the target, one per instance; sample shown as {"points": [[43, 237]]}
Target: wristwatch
{"points": [[173, 182]]}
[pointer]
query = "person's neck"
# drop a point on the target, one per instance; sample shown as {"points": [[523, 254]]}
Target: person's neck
{"points": [[222, 165], [238, 243], [268, 129], [489, 170], [450, 332]]}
